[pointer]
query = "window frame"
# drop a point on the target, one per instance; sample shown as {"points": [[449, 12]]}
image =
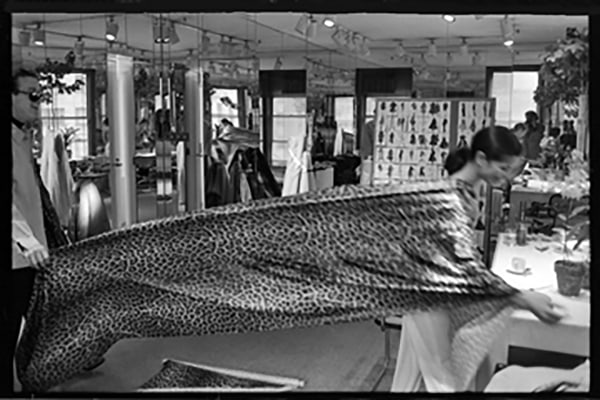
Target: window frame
{"points": [[90, 117], [489, 76]]}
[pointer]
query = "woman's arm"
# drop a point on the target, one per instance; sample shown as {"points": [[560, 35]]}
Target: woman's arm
{"points": [[539, 304]]}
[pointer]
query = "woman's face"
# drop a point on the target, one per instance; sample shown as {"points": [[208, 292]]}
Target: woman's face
{"points": [[497, 173]]}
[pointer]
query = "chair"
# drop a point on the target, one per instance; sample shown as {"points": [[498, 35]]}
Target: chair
{"points": [[387, 324]]}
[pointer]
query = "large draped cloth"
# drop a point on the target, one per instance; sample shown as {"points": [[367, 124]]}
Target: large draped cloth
{"points": [[344, 254]]}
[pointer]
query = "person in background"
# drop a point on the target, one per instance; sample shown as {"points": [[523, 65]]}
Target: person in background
{"points": [[534, 135], [423, 351], [569, 136]]}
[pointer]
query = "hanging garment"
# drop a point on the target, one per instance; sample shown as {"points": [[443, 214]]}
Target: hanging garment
{"points": [[255, 163], [344, 254], [181, 177], [56, 175], [295, 166], [53, 229]]}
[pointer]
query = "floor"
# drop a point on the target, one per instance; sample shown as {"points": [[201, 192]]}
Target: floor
{"points": [[318, 356]]}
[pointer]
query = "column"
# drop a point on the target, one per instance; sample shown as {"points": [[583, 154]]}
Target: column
{"points": [[196, 144], [121, 113]]}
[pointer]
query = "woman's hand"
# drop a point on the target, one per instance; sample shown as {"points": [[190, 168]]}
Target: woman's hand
{"points": [[539, 304]]}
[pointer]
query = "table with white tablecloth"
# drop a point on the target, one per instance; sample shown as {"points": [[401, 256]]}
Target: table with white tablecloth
{"points": [[569, 336]]}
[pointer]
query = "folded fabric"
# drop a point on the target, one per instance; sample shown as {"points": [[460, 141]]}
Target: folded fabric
{"points": [[180, 376], [344, 254]]}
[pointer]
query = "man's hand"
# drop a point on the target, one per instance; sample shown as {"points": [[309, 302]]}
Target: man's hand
{"points": [[37, 256]]}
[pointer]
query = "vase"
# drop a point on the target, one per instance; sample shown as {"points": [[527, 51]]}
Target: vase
{"points": [[569, 276], [586, 276]]}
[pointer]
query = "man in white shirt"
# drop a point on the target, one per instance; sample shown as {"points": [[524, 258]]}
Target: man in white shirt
{"points": [[29, 243]]}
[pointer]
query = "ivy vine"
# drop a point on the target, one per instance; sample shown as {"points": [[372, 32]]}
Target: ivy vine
{"points": [[51, 75]]}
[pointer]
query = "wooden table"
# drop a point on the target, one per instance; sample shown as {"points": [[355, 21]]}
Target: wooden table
{"points": [[569, 336]]}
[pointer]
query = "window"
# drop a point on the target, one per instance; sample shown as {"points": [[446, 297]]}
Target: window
{"points": [[221, 103], [289, 120], [513, 91], [69, 111], [344, 113]]}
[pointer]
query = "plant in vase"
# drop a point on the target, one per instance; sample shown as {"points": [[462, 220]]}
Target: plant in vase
{"points": [[572, 271]]}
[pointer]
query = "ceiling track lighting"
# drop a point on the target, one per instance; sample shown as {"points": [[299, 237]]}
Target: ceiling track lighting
{"points": [[400, 50], [79, 45], [112, 30], [508, 32], [329, 22], [449, 58], [24, 38], [449, 18], [161, 31], [39, 36], [432, 50], [174, 37], [278, 64], [464, 47], [477, 59]]}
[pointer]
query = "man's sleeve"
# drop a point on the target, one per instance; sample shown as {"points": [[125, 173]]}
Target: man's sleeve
{"points": [[22, 234]]}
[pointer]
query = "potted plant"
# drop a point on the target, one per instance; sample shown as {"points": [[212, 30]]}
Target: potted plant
{"points": [[572, 270]]}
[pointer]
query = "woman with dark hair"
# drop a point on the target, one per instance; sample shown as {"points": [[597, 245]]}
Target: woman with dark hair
{"points": [[422, 362]]}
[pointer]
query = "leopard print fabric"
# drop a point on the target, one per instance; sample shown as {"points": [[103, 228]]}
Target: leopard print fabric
{"points": [[344, 254], [178, 375]]}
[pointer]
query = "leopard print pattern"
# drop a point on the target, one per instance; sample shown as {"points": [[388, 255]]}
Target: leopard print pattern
{"points": [[343, 254], [178, 375]]}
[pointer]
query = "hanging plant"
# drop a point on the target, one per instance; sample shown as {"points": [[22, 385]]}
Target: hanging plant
{"points": [[564, 71], [52, 74]]}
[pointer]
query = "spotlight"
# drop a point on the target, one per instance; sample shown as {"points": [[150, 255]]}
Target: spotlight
{"points": [[278, 64], [173, 36], [476, 59], [464, 48], [205, 42], [508, 32], [329, 22], [449, 58], [400, 51], [39, 37], [302, 25], [24, 38], [311, 30], [160, 31], [79, 44], [449, 18], [432, 51], [112, 30], [338, 36]]}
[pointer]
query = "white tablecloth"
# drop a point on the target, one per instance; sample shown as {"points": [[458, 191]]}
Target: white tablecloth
{"points": [[572, 334]]}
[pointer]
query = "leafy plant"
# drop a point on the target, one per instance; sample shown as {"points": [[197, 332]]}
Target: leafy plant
{"points": [[51, 77], [564, 71], [575, 193]]}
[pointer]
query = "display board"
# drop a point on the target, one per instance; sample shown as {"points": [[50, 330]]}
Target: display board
{"points": [[413, 137]]}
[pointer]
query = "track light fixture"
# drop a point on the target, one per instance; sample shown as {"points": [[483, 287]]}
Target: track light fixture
{"points": [[161, 31], [278, 64], [39, 36], [464, 47], [112, 30], [329, 22], [508, 32], [24, 38], [449, 18], [79, 45], [432, 50], [400, 50]]}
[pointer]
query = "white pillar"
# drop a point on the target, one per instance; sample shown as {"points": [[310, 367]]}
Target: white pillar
{"points": [[196, 144], [121, 113]]}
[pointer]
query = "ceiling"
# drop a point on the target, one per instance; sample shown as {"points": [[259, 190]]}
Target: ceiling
{"points": [[273, 34]]}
